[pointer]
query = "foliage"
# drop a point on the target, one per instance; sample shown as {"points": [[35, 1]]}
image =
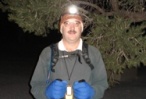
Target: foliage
{"points": [[121, 44], [116, 26], [34, 16]]}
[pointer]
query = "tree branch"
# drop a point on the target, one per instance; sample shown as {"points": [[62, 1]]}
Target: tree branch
{"points": [[134, 16], [92, 5], [115, 5]]}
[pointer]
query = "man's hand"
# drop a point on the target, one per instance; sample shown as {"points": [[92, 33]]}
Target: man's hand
{"points": [[82, 90], [56, 89]]}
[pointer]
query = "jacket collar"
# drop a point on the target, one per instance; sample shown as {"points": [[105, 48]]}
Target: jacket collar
{"points": [[62, 47]]}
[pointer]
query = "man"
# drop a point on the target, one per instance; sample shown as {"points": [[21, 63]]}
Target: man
{"points": [[71, 75]]}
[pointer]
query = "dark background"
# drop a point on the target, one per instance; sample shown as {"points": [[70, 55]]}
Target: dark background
{"points": [[15, 42]]}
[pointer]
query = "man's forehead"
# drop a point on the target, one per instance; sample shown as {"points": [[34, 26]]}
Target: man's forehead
{"points": [[73, 20]]}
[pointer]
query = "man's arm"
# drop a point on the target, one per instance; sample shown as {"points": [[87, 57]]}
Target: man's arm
{"points": [[40, 76], [99, 75]]}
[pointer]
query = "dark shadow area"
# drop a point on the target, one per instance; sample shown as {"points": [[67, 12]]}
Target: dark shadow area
{"points": [[14, 42], [131, 89]]}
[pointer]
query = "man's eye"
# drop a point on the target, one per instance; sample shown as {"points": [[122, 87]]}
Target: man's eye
{"points": [[66, 23], [77, 23]]}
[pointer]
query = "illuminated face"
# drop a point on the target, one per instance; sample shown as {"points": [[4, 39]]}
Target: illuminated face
{"points": [[71, 29]]}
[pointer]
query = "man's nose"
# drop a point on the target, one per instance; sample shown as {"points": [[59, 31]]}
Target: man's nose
{"points": [[72, 26]]}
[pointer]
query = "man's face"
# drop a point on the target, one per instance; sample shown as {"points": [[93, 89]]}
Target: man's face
{"points": [[71, 29]]}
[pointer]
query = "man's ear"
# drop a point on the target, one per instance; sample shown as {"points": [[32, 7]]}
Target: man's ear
{"points": [[82, 26], [61, 29]]}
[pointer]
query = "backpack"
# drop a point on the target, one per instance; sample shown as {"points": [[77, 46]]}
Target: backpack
{"points": [[55, 55]]}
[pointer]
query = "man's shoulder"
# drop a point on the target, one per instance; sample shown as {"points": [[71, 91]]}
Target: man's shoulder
{"points": [[48, 48], [45, 51], [92, 48], [93, 51]]}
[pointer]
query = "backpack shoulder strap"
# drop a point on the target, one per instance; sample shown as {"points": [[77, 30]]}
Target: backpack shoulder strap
{"points": [[54, 55], [86, 55]]}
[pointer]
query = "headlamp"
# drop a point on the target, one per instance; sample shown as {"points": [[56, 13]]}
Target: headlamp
{"points": [[73, 9]]}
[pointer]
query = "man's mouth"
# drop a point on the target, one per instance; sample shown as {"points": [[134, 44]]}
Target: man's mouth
{"points": [[71, 32]]}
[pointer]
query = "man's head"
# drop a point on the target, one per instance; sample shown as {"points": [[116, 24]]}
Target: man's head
{"points": [[71, 24], [71, 12]]}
